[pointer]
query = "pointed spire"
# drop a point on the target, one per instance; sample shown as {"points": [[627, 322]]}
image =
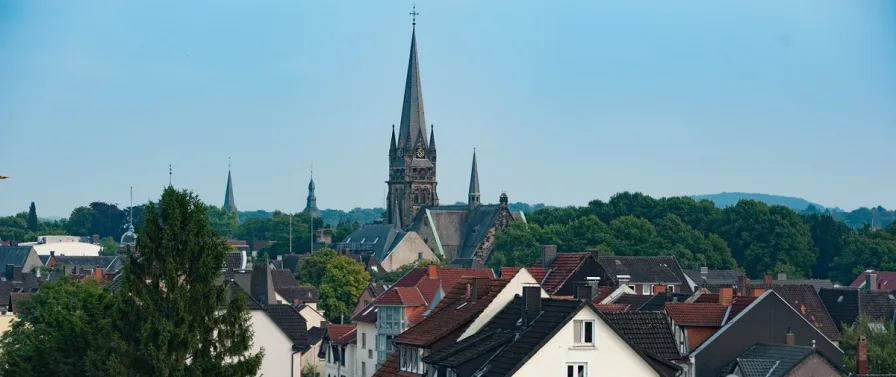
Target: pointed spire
{"points": [[473, 196], [229, 201], [413, 122], [392, 146], [311, 200], [396, 216], [432, 139]]}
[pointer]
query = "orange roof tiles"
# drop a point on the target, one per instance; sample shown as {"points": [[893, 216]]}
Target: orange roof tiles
{"points": [[561, 268], [611, 307], [696, 314]]}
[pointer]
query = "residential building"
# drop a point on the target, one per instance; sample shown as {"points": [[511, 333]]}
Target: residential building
{"points": [[847, 305], [536, 336], [374, 289], [752, 326], [646, 275], [651, 331], [404, 305], [339, 344], [22, 256], [562, 271], [880, 280], [785, 360], [693, 323], [388, 245]]}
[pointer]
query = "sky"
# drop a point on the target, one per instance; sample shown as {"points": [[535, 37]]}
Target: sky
{"points": [[565, 102]]}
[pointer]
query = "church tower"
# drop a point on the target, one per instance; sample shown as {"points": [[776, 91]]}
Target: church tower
{"points": [[473, 195], [311, 200], [229, 201], [412, 160]]}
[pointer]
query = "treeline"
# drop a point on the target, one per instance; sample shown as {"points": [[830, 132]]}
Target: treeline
{"points": [[751, 236]]}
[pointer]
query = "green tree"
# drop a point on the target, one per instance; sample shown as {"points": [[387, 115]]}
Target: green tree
{"points": [[32, 218], [515, 245], [881, 337], [339, 281], [62, 330], [79, 223], [222, 221], [829, 239], [634, 236], [110, 246], [173, 318]]}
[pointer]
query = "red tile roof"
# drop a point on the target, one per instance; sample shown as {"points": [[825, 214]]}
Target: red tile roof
{"points": [[537, 273], [886, 280], [602, 293], [390, 368], [708, 298], [561, 268], [336, 331], [418, 279], [694, 314], [611, 307], [455, 311]]}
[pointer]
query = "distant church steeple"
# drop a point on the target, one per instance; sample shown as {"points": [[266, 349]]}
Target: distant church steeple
{"points": [[169, 176], [229, 201], [129, 238], [473, 196], [311, 200], [412, 161]]}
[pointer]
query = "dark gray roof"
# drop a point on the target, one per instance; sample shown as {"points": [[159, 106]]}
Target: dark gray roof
{"points": [[291, 262], [283, 278], [378, 239], [659, 269], [303, 294], [772, 360], [460, 229], [649, 330], [14, 255], [44, 259], [29, 283], [815, 283], [846, 305], [714, 276], [86, 261], [291, 323]]}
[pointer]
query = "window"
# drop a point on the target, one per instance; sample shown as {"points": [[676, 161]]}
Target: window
{"points": [[583, 332], [369, 354], [363, 341], [577, 370], [419, 255], [670, 288], [384, 347], [410, 360], [390, 319], [363, 369], [646, 289], [342, 356]]}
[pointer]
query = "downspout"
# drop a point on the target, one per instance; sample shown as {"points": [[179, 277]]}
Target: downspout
{"points": [[292, 364]]}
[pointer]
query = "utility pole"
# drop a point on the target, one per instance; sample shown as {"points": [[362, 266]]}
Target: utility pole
{"points": [[290, 233]]}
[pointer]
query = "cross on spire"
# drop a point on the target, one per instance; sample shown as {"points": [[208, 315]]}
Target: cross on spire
{"points": [[169, 174], [228, 163], [414, 15]]}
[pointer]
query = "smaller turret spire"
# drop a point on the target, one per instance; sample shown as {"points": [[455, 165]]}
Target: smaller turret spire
{"points": [[129, 238], [392, 146], [311, 200], [229, 201], [473, 196], [432, 142]]}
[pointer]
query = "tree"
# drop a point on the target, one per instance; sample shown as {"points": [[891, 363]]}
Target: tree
{"points": [[881, 337], [400, 272], [173, 318], [339, 281], [108, 220], [110, 246], [79, 223], [32, 218], [62, 330], [222, 221], [515, 245]]}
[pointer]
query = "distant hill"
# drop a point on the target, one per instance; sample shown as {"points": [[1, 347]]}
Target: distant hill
{"points": [[727, 199]]}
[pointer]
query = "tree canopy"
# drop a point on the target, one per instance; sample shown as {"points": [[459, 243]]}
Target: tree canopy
{"points": [[881, 338], [340, 280]]}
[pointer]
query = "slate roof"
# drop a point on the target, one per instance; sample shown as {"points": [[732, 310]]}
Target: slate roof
{"points": [[29, 283], [455, 311], [660, 269], [302, 294], [427, 286], [511, 346], [805, 300], [847, 305], [658, 300], [698, 315], [86, 261], [377, 239], [14, 255], [563, 266], [460, 229], [650, 331], [290, 262], [43, 259], [283, 278], [773, 360], [291, 323], [231, 289]]}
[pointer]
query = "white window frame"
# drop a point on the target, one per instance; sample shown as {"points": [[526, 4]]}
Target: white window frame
{"points": [[411, 360], [580, 330], [646, 289], [384, 347], [576, 367], [670, 289], [390, 319]]}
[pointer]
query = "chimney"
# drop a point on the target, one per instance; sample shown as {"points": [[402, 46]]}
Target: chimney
{"points": [[280, 257], [432, 271], [659, 288], [531, 304], [475, 283], [52, 253], [742, 283], [9, 271], [782, 276], [261, 285], [96, 239], [862, 356], [548, 254], [17, 273], [583, 291], [623, 279], [726, 294], [704, 270], [871, 280], [594, 282], [758, 292], [790, 339], [98, 274], [243, 260], [768, 279]]}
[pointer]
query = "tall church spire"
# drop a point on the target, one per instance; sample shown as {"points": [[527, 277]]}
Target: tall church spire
{"points": [[311, 200], [412, 128], [473, 196], [392, 147], [229, 201]]}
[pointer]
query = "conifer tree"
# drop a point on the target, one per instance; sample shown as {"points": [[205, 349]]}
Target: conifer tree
{"points": [[32, 218], [174, 318]]}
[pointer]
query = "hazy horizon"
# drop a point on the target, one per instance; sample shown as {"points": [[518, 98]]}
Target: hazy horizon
{"points": [[564, 104]]}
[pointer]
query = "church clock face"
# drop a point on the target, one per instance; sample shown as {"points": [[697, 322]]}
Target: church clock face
{"points": [[419, 152], [401, 152]]}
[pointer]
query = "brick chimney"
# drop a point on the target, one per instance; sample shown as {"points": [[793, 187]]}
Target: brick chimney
{"points": [[548, 254], [432, 271], [758, 292], [767, 280], [871, 280], [98, 274], [659, 288], [742, 283], [96, 239], [789, 338], [726, 294], [862, 356]]}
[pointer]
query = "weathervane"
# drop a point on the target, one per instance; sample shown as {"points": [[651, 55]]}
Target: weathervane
{"points": [[414, 15]]}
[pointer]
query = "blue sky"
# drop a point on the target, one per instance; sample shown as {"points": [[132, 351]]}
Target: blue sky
{"points": [[564, 101]]}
